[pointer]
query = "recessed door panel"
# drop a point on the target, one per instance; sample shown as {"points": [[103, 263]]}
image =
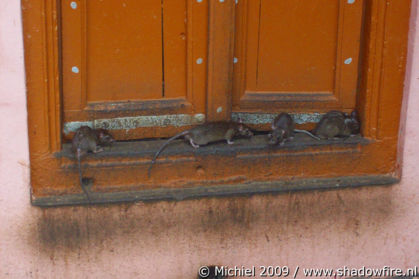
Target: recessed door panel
{"points": [[296, 54], [123, 50]]}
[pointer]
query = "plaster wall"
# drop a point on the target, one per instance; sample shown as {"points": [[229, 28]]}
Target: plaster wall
{"points": [[370, 226]]}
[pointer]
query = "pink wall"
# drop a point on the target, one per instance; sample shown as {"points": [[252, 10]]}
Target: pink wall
{"points": [[371, 226]]}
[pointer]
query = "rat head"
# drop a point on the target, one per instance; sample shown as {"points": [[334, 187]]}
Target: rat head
{"points": [[243, 130], [353, 124], [104, 137], [354, 114], [276, 136]]}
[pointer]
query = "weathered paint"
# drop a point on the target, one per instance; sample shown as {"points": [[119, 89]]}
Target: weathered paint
{"points": [[128, 123], [73, 126], [75, 69], [265, 118], [179, 120], [371, 226]]}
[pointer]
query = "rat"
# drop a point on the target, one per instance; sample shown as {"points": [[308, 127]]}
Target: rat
{"points": [[335, 124], [208, 133], [283, 129], [87, 140]]}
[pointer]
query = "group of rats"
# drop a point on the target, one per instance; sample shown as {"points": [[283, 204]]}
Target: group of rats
{"points": [[334, 124]]}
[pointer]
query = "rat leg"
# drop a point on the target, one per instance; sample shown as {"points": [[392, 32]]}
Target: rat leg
{"points": [[193, 144], [229, 136], [98, 149], [282, 142]]}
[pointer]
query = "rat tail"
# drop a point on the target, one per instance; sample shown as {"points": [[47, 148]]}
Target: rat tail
{"points": [[181, 134], [307, 133], [81, 175]]}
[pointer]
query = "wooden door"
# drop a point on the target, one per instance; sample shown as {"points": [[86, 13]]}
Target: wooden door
{"points": [[57, 32], [137, 67], [296, 55]]}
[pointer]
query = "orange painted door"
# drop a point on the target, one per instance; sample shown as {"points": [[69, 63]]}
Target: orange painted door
{"points": [[137, 65], [296, 55]]}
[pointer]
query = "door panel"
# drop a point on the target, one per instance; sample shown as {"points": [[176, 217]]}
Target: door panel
{"points": [[133, 58], [297, 55], [308, 55], [123, 53]]}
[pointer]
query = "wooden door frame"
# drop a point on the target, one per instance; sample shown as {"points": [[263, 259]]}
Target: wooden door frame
{"points": [[384, 45]]}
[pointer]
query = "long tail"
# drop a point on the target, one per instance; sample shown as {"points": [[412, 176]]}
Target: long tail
{"points": [[81, 176], [307, 133], [181, 134]]}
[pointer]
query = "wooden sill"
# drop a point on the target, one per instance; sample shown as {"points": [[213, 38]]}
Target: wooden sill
{"points": [[215, 170], [147, 148], [217, 191]]}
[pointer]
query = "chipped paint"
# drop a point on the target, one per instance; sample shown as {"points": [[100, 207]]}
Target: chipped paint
{"points": [[75, 70], [179, 120], [301, 118], [265, 118], [73, 126], [128, 123]]}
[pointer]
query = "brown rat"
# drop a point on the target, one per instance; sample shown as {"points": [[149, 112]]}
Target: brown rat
{"points": [[208, 133], [87, 140], [283, 129], [336, 124]]}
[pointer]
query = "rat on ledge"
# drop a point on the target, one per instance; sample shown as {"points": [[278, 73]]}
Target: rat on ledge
{"points": [[283, 129], [208, 133], [335, 124]]}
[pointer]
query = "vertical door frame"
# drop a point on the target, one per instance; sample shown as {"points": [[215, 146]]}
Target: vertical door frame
{"points": [[220, 59]]}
